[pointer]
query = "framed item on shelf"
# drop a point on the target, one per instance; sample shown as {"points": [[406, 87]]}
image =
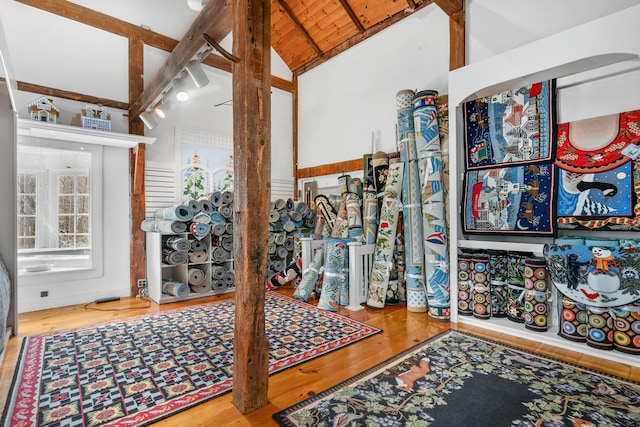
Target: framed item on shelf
{"points": [[510, 200], [511, 127]]}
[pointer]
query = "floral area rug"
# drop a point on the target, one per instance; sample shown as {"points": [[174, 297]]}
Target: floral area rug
{"points": [[456, 379], [138, 370]]}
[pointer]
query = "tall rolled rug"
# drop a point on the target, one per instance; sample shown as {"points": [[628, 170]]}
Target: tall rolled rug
{"points": [[515, 265], [465, 284], [442, 108], [600, 326], [370, 217], [498, 273], [573, 320], [626, 335], [354, 214], [412, 207], [385, 239], [335, 252], [380, 167], [481, 290], [310, 277], [436, 265], [535, 294]]}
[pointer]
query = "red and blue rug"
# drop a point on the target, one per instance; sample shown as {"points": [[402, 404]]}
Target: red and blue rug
{"points": [[135, 371], [459, 380]]}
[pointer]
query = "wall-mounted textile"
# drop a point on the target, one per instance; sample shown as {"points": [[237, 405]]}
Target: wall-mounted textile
{"points": [[600, 273], [511, 127], [599, 180], [511, 200]]}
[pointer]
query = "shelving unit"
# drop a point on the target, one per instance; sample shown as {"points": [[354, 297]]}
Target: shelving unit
{"points": [[157, 270], [582, 49]]}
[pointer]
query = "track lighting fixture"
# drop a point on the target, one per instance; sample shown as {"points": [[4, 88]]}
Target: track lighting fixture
{"points": [[148, 120], [180, 88], [160, 109], [195, 71]]}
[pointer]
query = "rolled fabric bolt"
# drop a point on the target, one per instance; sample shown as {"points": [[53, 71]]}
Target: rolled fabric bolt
{"points": [[227, 197], [310, 222], [199, 229], [194, 205], [197, 257], [228, 228], [271, 238], [296, 216], [289, 226], [290, 204], [198, 245], [278, 266], [280, 204], [177, 243], [175, 213], [271, 248], [218, 286], [206, 206], [216, 199], [163, 226], [217, 218], [284, 216], [218, 229], [280, 238], [196, 276], [282, 252], [175, 288], [202, 217], [219, 254], [218, 272], [201, 288], [289, 243], [300, 207], [172, 257], [226, 211], [274, 216], [229, 278], [227, 243]]}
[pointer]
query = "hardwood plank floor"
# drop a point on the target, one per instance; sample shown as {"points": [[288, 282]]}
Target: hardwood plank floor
{"points": [[401, 330]]}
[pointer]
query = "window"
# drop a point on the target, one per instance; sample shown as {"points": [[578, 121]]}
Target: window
{"points": [[59, 207]]}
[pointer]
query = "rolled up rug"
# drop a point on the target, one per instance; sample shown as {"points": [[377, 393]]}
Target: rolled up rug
{"points": [[289, 243], [481, 290], [499, 297], [465, 284], [226, 242], [343, 183], [202, 218], [199, 229], [600, 325], [310, 277], [228, 228], [216, 199], [172, 257], [228, 279], [271, 248], [194, 205], [201, 288], [354, 215], [177, 243], [412, 206], [219, 255], [573, 320], [217, 218], [535, 294], [340, 228], [434, 227], [175, 288], [335, 252], [386, 237], [218, 272], [626, 336], [195, 276], [175, 213], [280, 204], [281, 252], [227, 197], [198, 245], [197, 257], [300, 207], [380, 168], [226, 211], [325, 210], [516, 286], [218, 229], [206, 206], [370, 217], [163, 226], [279, 238], [218, 286]]}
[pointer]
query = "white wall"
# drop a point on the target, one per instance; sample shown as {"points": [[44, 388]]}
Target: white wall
{"points": [[352, 95]]}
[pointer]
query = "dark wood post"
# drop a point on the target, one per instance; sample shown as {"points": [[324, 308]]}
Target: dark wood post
{"points": [[252, 164]]}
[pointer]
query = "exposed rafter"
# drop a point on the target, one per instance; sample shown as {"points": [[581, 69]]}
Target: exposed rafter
{"points": [[450, 7], [299, 27], [352, 15]]}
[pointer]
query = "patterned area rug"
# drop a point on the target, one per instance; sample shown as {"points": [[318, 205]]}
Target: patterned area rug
{"points": [[136, 371], [456, 379]]}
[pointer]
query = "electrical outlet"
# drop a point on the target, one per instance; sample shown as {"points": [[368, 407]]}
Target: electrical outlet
{"points": [[142, 283], [44, 294]]}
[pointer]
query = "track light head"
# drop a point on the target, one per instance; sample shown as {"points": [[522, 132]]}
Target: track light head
{"points": [[180, 88], [148, 120], [160, 110], [197, 74]]}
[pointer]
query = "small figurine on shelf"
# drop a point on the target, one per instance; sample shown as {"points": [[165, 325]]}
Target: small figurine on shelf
{"points": [[43, 110], [96, 117]]}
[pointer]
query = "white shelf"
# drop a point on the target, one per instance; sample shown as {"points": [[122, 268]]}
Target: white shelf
{"points": [[552, 57]]}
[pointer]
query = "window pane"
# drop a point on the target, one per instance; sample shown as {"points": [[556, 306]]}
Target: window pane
{"points": [[83, 184], [26, 183], [26, 243], [65, 241], [83, 204], [26, 205], [82, 241], [66, 184], [82, 224], [65, 224], [26, 226], [66, 205]]}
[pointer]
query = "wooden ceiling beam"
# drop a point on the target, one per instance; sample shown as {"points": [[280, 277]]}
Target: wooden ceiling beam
{"points": [[353, 16], [214, 20], [349, 43], [289, 12], [450, 7]]}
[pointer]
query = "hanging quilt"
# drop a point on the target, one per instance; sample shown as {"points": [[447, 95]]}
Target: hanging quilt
{"points": [[599, 178], [511, 127], [509, 200]]}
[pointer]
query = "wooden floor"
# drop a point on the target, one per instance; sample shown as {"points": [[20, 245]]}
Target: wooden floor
{"points": [[401, 329]]}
